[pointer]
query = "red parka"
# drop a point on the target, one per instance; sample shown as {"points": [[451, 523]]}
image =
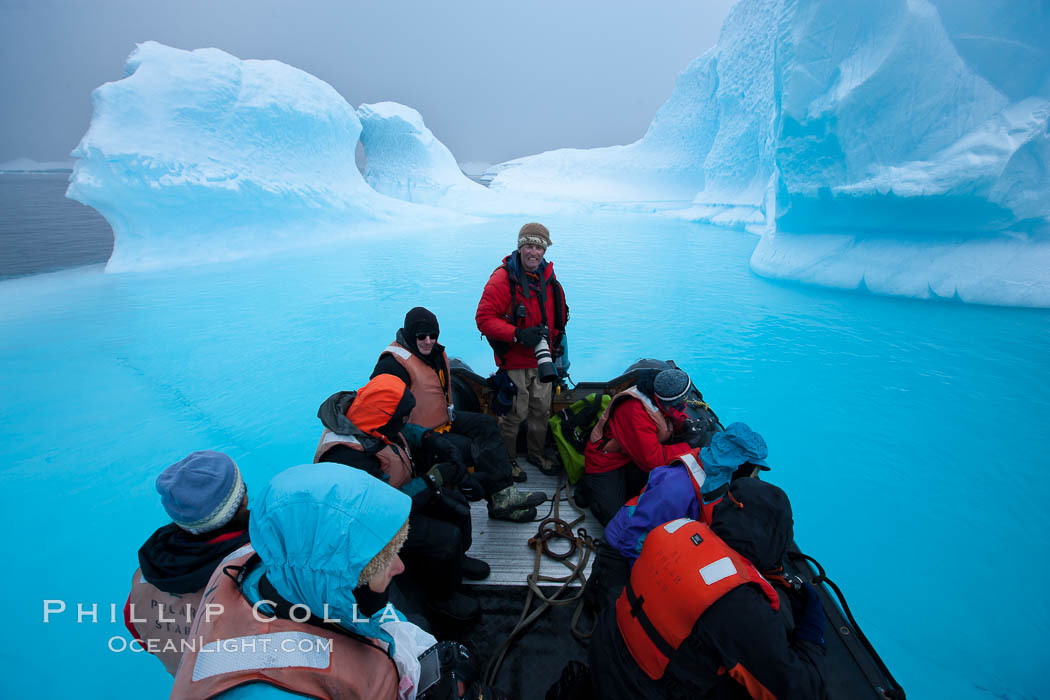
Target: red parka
{"points": [[634, 430], [496, 317]]}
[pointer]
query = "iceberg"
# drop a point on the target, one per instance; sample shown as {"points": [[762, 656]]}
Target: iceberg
{"points": [[199, 156], [404, 159], [898, 146]]}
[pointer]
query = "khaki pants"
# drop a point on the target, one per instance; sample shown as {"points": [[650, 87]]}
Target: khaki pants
{"points": [[533, 402]]}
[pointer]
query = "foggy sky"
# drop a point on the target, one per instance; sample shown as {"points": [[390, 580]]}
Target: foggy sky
{"points": [[493, 79]]}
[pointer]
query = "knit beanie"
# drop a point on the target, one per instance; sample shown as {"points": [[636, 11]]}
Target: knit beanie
{"points": [[534, 234], [202, 492], [671, 385], [420, 320]]}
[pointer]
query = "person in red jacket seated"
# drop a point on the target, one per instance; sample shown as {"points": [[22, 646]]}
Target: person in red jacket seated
{"points": [[523, 302], [633, 437]]}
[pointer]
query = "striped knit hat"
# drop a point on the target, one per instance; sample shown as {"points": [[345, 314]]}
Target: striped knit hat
{"points": [[535, 234], [202, 492]]}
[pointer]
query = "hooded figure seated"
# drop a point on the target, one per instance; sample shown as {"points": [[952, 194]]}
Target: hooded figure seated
{"points": [[305, 613], [207, 501], [368, 430], [632, 437], [699, 617], [464, 437]]}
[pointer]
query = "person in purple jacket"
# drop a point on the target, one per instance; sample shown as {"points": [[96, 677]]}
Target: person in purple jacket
{"points": [[688, 488]]}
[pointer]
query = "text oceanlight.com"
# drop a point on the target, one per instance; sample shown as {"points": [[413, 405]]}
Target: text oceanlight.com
{"points": [[240, 645]]}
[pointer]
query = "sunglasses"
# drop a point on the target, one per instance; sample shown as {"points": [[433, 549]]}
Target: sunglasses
{"points": [[426, 336]]}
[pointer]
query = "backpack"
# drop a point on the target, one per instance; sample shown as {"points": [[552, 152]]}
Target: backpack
{"points": [[571, 428]]}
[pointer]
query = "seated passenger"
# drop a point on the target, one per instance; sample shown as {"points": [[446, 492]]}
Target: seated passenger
{"points": [[368, 429], [698, 620], [632, 437], [206, 499], [305, 613], [688, 487], [472, 439]]}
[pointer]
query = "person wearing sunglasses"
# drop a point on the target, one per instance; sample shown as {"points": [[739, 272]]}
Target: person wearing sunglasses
{"points": [[455, 437], [632, 437]]}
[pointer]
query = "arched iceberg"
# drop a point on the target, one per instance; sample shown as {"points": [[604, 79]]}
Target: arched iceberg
{"points": [[198, 155]]}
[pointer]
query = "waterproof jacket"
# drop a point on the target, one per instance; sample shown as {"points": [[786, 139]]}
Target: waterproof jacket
{"points": [[432, 388], [739, 639], [669, 494], [315, 529], [508, 286], [630, 428], [361, 431]]}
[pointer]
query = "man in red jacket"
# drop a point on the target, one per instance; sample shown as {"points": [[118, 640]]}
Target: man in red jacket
{"points": [[523, 302]]}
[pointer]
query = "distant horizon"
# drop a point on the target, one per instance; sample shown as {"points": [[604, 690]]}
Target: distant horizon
{"points": [[493, 83]]}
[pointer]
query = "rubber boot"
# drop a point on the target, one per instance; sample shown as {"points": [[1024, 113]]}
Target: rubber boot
{"points": [[510, 504], [511, 497], [475, 569]]}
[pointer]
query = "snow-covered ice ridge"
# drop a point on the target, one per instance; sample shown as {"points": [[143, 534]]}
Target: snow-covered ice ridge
{"points": [[899, 145], [404, 159], [197, 156]]}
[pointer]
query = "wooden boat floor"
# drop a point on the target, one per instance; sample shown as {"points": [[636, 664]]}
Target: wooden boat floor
{"points": [[505, 546]]}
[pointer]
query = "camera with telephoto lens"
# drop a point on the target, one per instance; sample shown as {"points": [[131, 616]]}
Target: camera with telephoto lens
{"points": [[544, 363]]}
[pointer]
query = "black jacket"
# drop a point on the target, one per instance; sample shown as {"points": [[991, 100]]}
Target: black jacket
{"points": [[738, 629]]}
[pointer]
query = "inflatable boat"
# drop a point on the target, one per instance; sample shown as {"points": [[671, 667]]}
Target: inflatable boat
{"points": [[534, 653]]}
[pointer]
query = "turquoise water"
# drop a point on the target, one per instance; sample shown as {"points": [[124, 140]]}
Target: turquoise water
{"points": [[910, 435]]}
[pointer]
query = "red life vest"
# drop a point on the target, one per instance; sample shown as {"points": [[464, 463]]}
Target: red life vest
{"points": [[235, 647], [683, 569], [431, 389], [395, 463], [663, 426]]}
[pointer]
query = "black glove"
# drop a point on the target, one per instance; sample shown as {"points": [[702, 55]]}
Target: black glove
{"points": [[447, 474], [442, 447], [809, 615], [694, 432], [530, 336], [470, 488]]}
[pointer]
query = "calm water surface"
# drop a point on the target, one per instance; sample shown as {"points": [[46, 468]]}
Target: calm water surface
{"points": [[911, 436]]}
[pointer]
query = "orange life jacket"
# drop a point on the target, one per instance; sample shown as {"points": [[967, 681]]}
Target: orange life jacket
{"points": [[395, 462], [160, 620], [431, 389], [691, 461], [683, 569], [663, 426], [237, 646]]}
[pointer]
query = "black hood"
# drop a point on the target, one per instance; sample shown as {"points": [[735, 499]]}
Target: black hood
{"points": [[333, 413], [176, 561], [754, 518]]}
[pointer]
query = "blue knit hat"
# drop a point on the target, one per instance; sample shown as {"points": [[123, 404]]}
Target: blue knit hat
{"points": [[202, 492], [671, 385]]}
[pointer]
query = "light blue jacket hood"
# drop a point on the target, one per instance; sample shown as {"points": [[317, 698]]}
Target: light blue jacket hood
{"points": [[316, 526]]}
